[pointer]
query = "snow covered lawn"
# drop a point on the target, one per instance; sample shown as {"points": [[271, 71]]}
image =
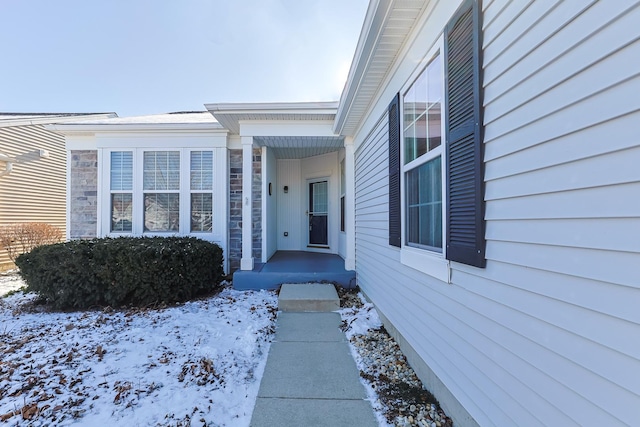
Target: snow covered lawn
{"points": [[195, 364]]}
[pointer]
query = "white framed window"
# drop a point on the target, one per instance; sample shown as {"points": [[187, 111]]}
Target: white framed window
{"points": [[201, 187], [121, 191], [435, 135], [423, 169], [160, 192], [422, 158]]}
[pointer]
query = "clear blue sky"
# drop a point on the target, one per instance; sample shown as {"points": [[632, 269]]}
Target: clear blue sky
{"points": [[139, 57]]}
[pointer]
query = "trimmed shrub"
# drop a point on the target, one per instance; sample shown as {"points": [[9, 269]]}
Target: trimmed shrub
{"points": [[125, 271]]}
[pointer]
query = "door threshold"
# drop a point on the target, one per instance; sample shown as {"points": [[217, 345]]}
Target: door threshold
{"points": [[319, 246]]}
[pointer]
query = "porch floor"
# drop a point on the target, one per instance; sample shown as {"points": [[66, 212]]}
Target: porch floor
{"points": [[294, 267]]}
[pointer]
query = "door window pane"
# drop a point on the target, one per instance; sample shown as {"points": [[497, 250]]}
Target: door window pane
{"points": [[320, 197]]}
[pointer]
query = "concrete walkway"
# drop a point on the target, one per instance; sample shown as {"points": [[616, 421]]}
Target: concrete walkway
{"points": [[311, 378]]}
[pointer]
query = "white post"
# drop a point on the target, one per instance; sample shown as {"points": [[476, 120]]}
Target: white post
{"points": [[350, 204], [246, 262]]}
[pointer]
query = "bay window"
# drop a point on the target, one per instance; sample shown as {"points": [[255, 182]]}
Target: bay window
{"points": [[160, 191]]}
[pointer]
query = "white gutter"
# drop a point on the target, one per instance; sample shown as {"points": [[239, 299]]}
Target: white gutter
{"points": [[374, 21], [273, 107], [37, 120]]}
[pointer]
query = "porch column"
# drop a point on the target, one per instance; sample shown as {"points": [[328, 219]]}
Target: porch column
{"points": [[350, 203], [246, 262]]}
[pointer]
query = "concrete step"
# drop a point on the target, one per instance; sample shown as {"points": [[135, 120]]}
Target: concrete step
{"points": [[308, 297]]}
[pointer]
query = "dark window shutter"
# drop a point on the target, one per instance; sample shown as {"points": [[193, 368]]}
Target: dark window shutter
{"points": [[394, 172], [465, 189]]}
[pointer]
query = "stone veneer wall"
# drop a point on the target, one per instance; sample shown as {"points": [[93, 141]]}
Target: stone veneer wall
{"points": [[256, 209], [83, 194], [235, 208]]}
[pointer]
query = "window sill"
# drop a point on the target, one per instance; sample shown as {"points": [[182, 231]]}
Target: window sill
{"points": [[426, 262]]}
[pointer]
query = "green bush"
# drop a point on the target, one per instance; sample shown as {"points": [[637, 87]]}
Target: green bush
{"points": [[125, 271]]}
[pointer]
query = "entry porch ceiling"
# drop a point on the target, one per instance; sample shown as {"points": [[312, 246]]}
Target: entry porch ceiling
{"points": [[297, 147]]}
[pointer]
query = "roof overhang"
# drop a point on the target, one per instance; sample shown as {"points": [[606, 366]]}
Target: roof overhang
{"points": [[19, 119], [386, 29], [291, 130], [194, 122], [230, 115]]}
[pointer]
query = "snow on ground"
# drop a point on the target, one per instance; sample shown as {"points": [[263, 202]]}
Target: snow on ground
{"points": [[395, 391], [359, 321], [197, 364], [10, 281], [200, 362]]}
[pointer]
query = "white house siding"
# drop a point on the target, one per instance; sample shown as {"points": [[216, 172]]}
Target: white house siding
{"points": [[35, 190], [547, 333], [289, 214]]}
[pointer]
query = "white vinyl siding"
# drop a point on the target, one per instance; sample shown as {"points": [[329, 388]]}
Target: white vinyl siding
{"points": [[546, 333], [35, 191]]}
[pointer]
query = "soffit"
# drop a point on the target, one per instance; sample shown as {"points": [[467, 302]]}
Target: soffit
{"points": [[294, 147], [387, 27]]}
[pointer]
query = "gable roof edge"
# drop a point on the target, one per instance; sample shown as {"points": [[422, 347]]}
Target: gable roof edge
{"points": [[375, 18]]}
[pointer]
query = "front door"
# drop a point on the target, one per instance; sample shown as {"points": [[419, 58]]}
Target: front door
{"points": [[318, 213]]}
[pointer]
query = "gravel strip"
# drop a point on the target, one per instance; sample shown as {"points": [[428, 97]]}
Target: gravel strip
{"points": [[401, 400]]}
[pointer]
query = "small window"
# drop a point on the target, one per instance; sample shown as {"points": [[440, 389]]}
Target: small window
{"points": [[201, 191], [121, 171]]}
